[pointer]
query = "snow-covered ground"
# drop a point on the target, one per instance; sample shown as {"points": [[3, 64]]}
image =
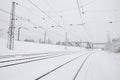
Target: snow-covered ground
{"points": [[30, 47], [100, 65]]}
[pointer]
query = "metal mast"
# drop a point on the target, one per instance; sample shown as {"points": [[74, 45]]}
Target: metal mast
{"points": [[10, 43], [66, 40], [45, 37]]}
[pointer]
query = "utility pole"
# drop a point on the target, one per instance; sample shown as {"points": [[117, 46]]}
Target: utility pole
{"points": [[66, 40], [19, 33], [45, 37], [49, 41], [108, 37], [10, 43]]}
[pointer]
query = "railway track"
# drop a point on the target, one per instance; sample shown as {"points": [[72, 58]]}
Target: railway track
{"points": [[40, 77], [27, 58], [32, 58], [25, 55], [31, 54], [75, 77]]}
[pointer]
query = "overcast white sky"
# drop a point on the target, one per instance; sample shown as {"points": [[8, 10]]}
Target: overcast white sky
{"points": [[97, 15]]}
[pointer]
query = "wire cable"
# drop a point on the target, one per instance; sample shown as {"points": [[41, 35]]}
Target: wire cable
{"points": [[29, 21], [80, 13], [43, 12]]}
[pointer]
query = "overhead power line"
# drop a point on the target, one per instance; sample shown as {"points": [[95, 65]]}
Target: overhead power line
{"points": [[5, 11], [24, 19], [29, 10], [48, 4], [58, 25], [44, 13], [29, 21], [81, 13], [84, 5]]}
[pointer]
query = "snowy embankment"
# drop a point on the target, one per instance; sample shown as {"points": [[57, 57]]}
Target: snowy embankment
{"points": [[30, 47], [100, 65]]}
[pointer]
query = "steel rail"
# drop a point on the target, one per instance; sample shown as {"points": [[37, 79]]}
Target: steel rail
{"points": [[31, 54], [81, 67], [59, 67], [13, 64]]}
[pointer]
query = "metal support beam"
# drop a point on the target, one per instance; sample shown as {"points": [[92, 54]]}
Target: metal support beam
{"points": [[19, 33], [45, 37], [10, 44], [66, 40]]}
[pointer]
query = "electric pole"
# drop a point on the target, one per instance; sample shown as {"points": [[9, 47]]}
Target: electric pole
{"points": [[66, 40], [19, 33], [10, 43], [49, 41], [45, 37], [108, 37]]}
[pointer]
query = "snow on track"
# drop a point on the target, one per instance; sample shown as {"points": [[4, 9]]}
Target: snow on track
{"points": [[12, 62], [58, 67], [42, 58]]}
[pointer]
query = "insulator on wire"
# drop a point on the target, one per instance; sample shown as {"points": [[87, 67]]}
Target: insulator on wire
{"points": [[83, 12], [110, 22]]}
